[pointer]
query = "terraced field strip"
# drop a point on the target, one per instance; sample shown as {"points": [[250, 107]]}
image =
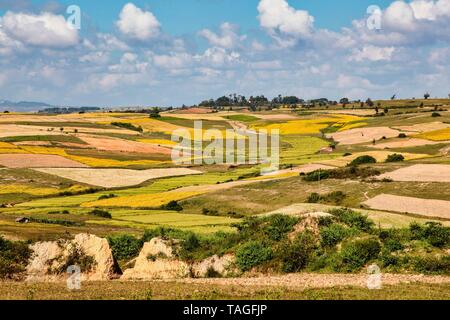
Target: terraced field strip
{"points": [[420, 173], [362, 135], [403, 143], [422, 207], [37, 161], [113, 178], [308, 126], [158, 186], [438, 135]]}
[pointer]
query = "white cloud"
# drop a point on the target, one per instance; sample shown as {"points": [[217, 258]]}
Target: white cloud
{"points": [[279, 16], [44, 30], [138, 24], [228, 38], [372, 53]]}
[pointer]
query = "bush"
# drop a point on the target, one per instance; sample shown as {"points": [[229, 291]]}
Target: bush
{"points": [[296, 255], [435, 114], [100, 213], [335, 197], [357, 253], [333, 234], [353, 219], [395, 157], [124, 247], [278, 226], [13, 259], [316, 175], [353, 172], [313, 198], [107, 196], [433, 232], [77, 257], [432, 264], [128, 126], [363, 160], [172, 206], [252, 254], [402, 135]]}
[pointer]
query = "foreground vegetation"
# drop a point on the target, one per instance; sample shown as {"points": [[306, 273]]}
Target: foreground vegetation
{"points": [[170, 290]]}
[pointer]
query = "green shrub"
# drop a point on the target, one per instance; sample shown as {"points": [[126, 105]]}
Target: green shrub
{"points": [[433, 232], [353, 219], [252, 254], [313, 198], [435, 114], [353, 172], [402, 135], [172, 206], [124, 247], [333, 234], [316, 175], [278, 226], [107, 196], [432, 264], [100, 213], [296, 255], [363, 160], [357, 253], [13, 259], [128, 126], [76, 256], [61, 222], [395, 157]]}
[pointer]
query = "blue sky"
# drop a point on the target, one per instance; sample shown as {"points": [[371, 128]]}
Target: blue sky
{"points": [[169, 52]]}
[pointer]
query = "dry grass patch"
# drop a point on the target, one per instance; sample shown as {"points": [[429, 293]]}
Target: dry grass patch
{"points": [[403, 143], [37, 161], [422, 207], [111, 144], [113, 178], [361, 135], [424, 127], [421, 173]]}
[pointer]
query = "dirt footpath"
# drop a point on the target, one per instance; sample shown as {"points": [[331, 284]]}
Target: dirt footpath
{"points": [[310, 280]]}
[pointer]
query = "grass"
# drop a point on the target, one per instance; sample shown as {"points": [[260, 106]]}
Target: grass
{"points": [[297, 149], [242, 118], [178, 290]]}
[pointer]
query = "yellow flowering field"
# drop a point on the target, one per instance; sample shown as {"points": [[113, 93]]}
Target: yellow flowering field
{"points": [[438, 135], [154, 200], [37, 191], [308, 126]]}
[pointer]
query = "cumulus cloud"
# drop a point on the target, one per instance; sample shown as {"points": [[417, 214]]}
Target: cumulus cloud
{"points": [[228, 37], [372, 53], [277, 16], [43, 30], [138, 24]]}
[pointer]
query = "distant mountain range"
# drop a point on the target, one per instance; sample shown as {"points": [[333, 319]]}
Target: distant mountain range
{"points": [[22, 105]]}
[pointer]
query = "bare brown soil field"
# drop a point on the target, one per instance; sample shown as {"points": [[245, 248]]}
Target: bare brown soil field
{"points": [[420, 173], [404, 143], [14, 130], [423, 207], [424, 127], [113, 178], [361, 135], [355, 112], [37, 161], [275, 116], [112, 144], [195, 111]]}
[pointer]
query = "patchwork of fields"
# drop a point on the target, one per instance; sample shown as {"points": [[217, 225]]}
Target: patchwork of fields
{"points": [[121, 163]]}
